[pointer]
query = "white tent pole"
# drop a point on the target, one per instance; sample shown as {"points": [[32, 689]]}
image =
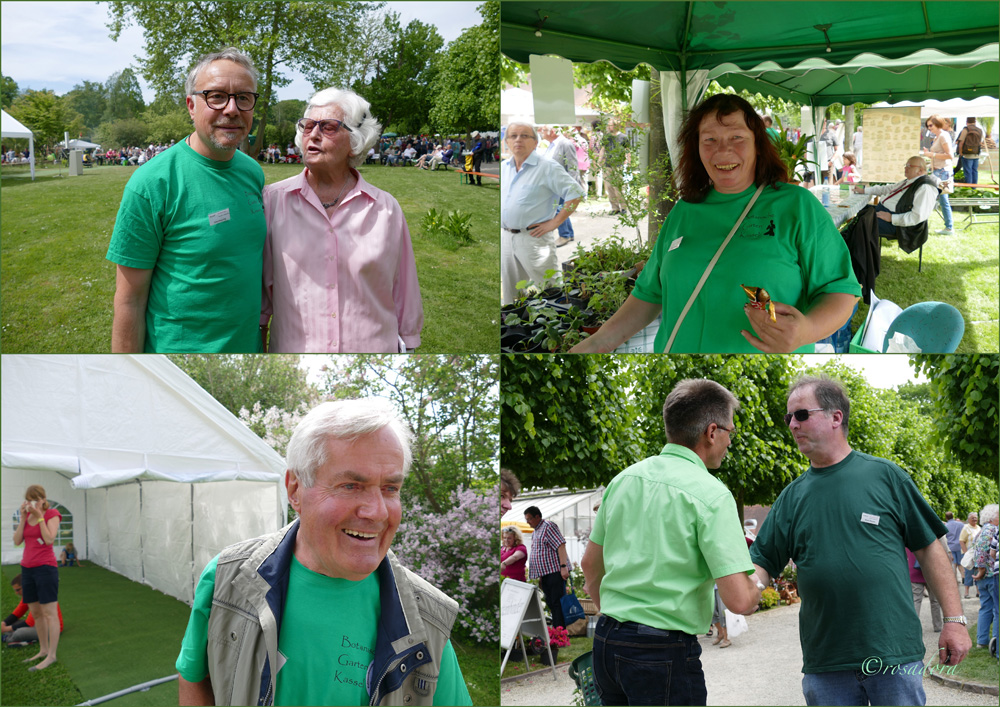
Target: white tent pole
{"points": [[135, 688], [191, 524], [142, 558]]}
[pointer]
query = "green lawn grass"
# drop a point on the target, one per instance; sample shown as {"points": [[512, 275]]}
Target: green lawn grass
{"points": [[480, 666], [978, 666], [961, 270], [578, 645], [57, 288]]}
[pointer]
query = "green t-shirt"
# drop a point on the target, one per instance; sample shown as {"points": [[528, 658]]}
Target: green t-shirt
{"points": [[199, 225], [787, 244], [326, 642], [668, 528], [846, 527]]}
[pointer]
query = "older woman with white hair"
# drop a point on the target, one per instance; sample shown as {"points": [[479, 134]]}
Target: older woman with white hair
{"points": [[339, 270], [984, 559]]}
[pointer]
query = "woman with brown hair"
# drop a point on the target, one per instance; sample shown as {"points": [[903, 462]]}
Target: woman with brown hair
{"points": [[941, 152], [38, 528], [780, 239]]}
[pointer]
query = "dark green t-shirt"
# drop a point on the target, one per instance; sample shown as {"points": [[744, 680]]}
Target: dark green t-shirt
{"points": [[787, 244], [846, 527], [198, 224]]}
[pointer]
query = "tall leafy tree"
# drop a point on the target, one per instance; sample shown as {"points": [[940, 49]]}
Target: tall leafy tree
{"points": [[966, 399], [128, 132], [399, 87], [450, 403], [467, 89], [89, 100], [239, 381], [8, 91], [566, 420], [46, 115], [123, 97], [312, 37]]}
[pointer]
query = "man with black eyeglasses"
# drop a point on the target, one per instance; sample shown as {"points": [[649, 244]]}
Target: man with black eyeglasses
{"points": [[189, 237], [846, 523]]}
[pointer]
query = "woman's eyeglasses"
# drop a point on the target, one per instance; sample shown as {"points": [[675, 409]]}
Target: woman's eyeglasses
{"points": [[800, 415], [328, 127]]}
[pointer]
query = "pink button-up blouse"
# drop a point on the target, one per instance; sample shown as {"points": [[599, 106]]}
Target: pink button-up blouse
{"points": [[345, 283]]}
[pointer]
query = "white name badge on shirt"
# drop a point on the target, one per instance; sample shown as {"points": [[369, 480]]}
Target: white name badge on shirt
{"points": [[218, 217], [675, 244], [869, 518]]}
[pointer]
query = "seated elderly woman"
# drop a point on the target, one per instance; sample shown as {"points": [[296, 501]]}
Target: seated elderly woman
{"points": [[785, 244], [339, 271]]}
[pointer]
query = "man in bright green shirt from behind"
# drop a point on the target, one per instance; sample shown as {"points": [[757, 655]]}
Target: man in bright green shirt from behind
{"points": [[321, 612], [189, 235], [666, 531]]}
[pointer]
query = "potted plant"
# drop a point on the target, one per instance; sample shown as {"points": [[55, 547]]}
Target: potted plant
{"points": [[794, 154]]}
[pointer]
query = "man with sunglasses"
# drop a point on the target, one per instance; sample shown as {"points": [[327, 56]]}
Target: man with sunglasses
{"points": [[665, 532], [846, 522], [189, 236]]}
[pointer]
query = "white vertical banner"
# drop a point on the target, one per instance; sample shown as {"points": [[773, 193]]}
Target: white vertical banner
{"points": [[640, 111], [552, 90]]}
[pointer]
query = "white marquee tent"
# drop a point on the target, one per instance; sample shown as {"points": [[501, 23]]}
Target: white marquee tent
{"points": [[157, 475], [11, 127]]}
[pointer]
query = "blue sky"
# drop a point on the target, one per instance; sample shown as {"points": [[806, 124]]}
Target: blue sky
{"points": [[56, 45]]}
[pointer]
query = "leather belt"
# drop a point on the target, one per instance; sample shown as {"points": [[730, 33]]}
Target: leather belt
{"points": [[514, 230]]}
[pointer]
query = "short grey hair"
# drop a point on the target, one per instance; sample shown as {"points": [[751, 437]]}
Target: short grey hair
{"points": [[534, 130], [365, 130], [345, 420], [692, 406], [989, 514], [830, 394], [228, 54]]}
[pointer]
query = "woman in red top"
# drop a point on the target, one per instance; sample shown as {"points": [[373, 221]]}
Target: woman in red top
{"points": [[38, 528], [513, 555]]}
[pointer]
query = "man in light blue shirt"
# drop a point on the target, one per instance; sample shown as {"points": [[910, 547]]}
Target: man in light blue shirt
{"points": [[530, 190]]}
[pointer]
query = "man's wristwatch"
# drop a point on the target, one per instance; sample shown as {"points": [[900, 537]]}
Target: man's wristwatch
{"points": [[956, 620]]}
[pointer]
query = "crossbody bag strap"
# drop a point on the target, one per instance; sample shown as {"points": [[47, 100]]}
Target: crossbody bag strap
{"points": [[708, 270]]}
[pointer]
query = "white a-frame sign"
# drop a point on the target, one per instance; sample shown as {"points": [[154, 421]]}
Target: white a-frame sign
{"points": [[521, 614]]}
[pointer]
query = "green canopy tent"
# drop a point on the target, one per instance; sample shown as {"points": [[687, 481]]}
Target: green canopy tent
{"points": [[869, 78], [685, 41]]}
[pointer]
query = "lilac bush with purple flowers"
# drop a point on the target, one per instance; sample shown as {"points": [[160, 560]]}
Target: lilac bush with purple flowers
{"points": [[457, 552]]}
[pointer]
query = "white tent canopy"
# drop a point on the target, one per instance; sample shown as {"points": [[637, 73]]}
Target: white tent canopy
{"points": [[11, 127], [80, 145], [157, 476]]}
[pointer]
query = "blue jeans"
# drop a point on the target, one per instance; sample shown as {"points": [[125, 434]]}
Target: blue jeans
{"points": [[874, 684], [944, 174], [565, 228], [971, 170], [642, 665], [988, 613]]}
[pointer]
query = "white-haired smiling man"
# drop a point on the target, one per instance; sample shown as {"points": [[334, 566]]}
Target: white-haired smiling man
{"points": [[321, 612]]}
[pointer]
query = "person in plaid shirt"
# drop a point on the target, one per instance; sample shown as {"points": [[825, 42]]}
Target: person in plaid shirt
{"points": [[548, 562]]}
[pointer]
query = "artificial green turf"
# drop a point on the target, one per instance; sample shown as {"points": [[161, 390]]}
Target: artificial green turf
{"points": [[118, 633], [961, 270], [57, 288]]}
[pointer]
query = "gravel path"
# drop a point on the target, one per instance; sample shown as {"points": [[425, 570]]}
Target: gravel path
{"points": [[762, 680]]}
